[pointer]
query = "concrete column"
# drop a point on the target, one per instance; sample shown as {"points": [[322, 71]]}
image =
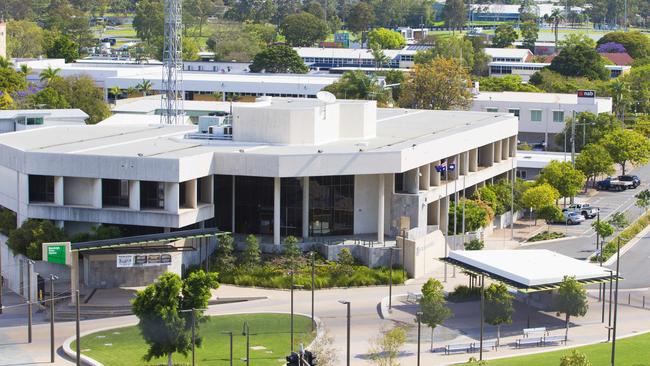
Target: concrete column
{"points": [[411, 181], [380, 208], [22, 198], [58, 191], [444, 214], [435, 176], [97, 193], [425, 177], [497, 151], [276, 210], [505, 149], [171, 197], [433, 213], [134, 195], [190, 194], [305, 207], [465, 159], [489, 159], [513, 146], [206, 186]]}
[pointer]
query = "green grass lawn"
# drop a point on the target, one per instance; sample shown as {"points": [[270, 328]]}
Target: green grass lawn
{"points": [[128, 32], [125, 346], [632, 351]]}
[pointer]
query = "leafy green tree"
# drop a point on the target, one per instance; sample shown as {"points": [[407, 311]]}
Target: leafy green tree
{"points": [[540, 196], [361, 16], [257, 11], [252, 254], [498, 306], [439, 84], [528, 11], [555, 18], [477, 215], [345, 262], [358, 85], [115, 91], [240, 42], [575, 358], [454, 14], [145, 87], [504, 36], [580, 60], [158, 307], [618, 220], [24, 39], [474, 244], [643, 199], [550, 214], [448, 47], [380, 57], [530, 33], [190, 49], [589, 129], [594, 161], [636, 43], [385, 39], [30, 236], [11, 80], [201, 10], [571, 300], [627, 146], [61, 17], [279, 59], [603, 228], [562, 176], [47, 98], [487, 195], [81, 92], [224, 256], [637, 89], [433, 305], [291, 248], [303, 29], [7, 221], [149, 20], [507, 83], [386, 347], [61, 46]]}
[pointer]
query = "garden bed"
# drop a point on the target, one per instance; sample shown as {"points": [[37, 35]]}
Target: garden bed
{"points": [[546, 236], [625, 236]]}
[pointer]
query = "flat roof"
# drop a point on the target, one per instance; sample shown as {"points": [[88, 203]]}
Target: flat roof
{"points": [[539, 159], [397, 129], [148, 105], [528, 269], [351, 53], [527, 97], [508, 52], [51, 113]]}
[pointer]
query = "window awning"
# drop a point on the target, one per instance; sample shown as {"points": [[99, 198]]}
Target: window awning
{"points": [[158, 241], [528, 270]]}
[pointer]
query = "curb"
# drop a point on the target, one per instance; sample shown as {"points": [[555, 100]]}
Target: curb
{"points": [[384, 313], [526, 243], [630, 244], [85, 360]]}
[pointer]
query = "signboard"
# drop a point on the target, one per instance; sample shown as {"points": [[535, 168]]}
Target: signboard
{"points": [[586, 94], [56, 253], [143, 260]]}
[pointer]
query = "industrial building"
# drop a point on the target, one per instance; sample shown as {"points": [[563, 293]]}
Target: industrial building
{"points": [[25, 119]]}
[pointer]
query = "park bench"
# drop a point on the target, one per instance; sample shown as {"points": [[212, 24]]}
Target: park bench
{"points": [[412, 297], [528, 342], [453, 348], [553, 340], [530, 331], [487, 345]]}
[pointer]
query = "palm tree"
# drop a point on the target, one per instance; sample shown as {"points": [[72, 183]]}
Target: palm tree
{"points": [[379, 56], [144, 87], [4, 62], [555, 18], [115, 91], [49, 74], [130, 91]]}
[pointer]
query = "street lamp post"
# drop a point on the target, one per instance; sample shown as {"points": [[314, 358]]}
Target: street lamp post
{"points": [[618, 261], [419, 317], [193, 312], [52, 279], [390, 280], [29, 300], [609, 322], [347, 303], [313, 285], [230, 334], [482, 316], [247, 333]]}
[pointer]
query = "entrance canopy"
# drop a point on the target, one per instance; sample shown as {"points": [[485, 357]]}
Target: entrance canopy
{"points": [[528, 270], [158, 242]]}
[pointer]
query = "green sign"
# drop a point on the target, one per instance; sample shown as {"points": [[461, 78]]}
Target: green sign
{"points": [[56, 253]]}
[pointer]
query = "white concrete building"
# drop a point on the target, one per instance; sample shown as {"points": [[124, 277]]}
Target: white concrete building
{"points": [[277, 167], [527, 69], [531, 163], [27, 119], [509, 54], [541, 115], [327, 58]]}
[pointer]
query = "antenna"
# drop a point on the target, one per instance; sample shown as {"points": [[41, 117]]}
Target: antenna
{"points": [[172, 74], [326, 97]]}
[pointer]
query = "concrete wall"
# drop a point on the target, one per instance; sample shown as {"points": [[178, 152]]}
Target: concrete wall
{"points": [[14, 271], [365, 203], [8, 188], [79, 191], [419, 254], [372, 257]]}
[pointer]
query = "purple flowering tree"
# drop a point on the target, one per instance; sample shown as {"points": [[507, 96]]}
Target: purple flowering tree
{"points": [[611, 47]]}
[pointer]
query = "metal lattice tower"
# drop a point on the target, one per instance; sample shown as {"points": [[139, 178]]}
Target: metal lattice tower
{"points": [[172, 77]]}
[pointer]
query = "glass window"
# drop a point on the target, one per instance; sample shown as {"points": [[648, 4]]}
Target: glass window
{"points": [[536, 115], [152, 195], [115, 192], [253, 205], [399, 183], [41, 188], [331, 205], [514, 111], [492, 109], [223, 197], [558, 116]]}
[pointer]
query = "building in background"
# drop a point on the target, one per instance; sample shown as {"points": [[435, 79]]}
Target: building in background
{"points": [[3, 38], [527, 69], [531, 163], [541, 115], [27, 119]]}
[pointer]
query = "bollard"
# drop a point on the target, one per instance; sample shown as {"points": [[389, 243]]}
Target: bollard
{"points": [[643, 302], [629, 299]]}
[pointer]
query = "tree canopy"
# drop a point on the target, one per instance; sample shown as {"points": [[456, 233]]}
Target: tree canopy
{"points": [[498, 306], [438, 84], [539, 196], [358, 85], [278, 59], [303, 29], [433, 305], [504, 36], [571, 300], [636, 43], [562, 176], [385, 39], [594, 161], [627, 146], [456, 48], [580, 60]]}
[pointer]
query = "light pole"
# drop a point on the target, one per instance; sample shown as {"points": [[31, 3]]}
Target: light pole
{"points": [[618, 261], [52, 279], [193, 311], [390, 280], [347, 303], [247, 333], [313, 284], [230, 334], [292, 302], [482, 315], [29, 300], [609, 315], [419, 317], [77, 327]]}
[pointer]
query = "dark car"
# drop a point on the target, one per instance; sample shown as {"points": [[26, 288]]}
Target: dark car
{"points": [[636, 181]]}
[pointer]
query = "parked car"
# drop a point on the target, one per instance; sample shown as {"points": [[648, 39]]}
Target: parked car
{"points": [[572, 218], [585, 210], [636, 181], [612, 184]]}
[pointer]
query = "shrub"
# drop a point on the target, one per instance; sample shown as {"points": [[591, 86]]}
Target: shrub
{"points": [[28, 239], [474, 244], [464, 293], [7, 221], [546, 236], [291, 249], [625, 236], [252, 254]]}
